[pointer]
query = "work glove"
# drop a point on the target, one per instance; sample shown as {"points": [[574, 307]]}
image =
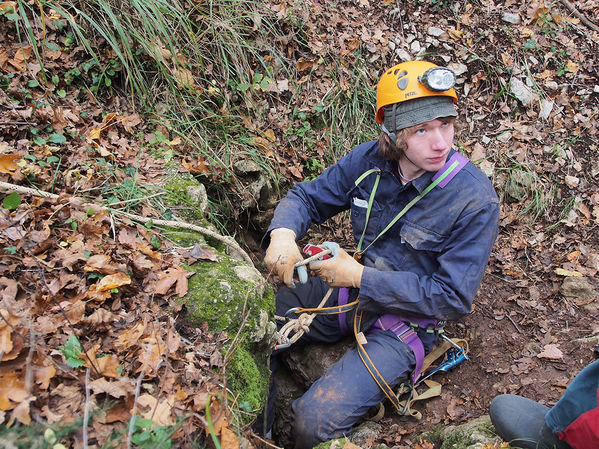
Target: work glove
{"points": [[282, 254], [341, 270]]}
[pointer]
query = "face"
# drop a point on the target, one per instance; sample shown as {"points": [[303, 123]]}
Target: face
{"points": [[428, 145]]}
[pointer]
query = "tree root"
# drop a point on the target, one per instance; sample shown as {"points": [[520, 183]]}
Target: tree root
{"points": [[229, 241]]}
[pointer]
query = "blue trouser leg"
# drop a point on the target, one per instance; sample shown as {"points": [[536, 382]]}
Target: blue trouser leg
{"points": [[324, 328], [335, 402]]}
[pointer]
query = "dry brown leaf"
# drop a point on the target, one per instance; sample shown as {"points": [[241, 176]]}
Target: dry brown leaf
{"points": [[9, 292], [130, 337], [304, 64], [169, 278], [116, 389], [7, 163], [12, 390], [551, 351], [142, 263], [109, 120], [119, 413], [43, 374], [74, 311], [128, 236], [100, 316], [108, 366], [94, 295], [148, 251], [150, 357], [200, 400], [159, 411], [100, 263], [567, 273], [199, 166], [21, 413], [113, 281], [228, 439], [199, 252], [50, 416]]}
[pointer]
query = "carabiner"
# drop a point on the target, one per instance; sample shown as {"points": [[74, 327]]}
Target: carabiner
{"points": [[283, 346], [291, 311]]}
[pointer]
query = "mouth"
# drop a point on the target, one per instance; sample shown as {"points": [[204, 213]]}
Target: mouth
{"points": [[436, 160]]}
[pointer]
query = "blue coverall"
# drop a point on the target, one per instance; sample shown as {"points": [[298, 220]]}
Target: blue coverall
{"points": [[429, 264]]}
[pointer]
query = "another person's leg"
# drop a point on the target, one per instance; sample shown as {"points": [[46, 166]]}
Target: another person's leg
{"points": [[521, 422], [572, 422], [575, 417], [336, 401]]}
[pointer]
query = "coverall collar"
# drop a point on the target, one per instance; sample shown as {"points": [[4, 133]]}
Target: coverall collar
{"points": [[424, 180]]}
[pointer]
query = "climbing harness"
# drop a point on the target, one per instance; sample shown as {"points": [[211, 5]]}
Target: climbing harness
{"points": [[404, 327]]}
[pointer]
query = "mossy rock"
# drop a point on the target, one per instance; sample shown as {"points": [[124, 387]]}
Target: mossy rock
{"points": [[231, 296], [187, 196], [474, 434]]}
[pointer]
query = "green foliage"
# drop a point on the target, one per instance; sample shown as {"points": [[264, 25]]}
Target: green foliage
{"points": [[11, 201], [149, 436], [71, 351]]}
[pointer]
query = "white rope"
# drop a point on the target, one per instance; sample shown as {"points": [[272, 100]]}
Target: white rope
{"points": [[301, 325]]}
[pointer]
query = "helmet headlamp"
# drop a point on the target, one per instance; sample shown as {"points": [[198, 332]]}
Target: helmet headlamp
{"points": [[438, 79]]}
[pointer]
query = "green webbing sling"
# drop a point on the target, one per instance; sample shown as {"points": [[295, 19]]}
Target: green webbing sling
{"points": [[402, 212]]}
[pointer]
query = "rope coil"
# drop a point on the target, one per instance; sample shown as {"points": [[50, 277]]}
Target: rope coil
{"points": [[300, 325]]}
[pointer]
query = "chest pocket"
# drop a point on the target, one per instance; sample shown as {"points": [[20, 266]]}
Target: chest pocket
{"points": [[359, 210], [421, 239]]}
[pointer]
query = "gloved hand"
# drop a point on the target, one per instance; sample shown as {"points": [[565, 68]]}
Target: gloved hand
{"points": [[282, 254], [341, 270]]}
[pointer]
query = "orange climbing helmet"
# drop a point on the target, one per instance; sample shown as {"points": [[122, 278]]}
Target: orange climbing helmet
{"points": [[411, 80]]}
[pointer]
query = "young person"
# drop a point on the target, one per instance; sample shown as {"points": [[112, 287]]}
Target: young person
{"points": [[424, 221]]}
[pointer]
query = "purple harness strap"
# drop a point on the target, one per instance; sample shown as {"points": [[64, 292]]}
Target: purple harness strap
{"points": [[462, 161], [406, 333], [341, 301], [398, 323]]}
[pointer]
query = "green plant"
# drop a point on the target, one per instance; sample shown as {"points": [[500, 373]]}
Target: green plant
{"points": [[314, 167], [150, 436], [72, 350], [347, 110], [11, 201], [520, 184]]}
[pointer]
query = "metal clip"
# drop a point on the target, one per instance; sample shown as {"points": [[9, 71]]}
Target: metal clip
{"points": [[283, 346], [291, 311]]}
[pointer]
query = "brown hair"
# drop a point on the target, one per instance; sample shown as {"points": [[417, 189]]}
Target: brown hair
{"points": [[390, 150]]}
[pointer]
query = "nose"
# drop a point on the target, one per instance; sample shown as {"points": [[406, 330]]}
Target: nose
{"points": [[439, 140]]}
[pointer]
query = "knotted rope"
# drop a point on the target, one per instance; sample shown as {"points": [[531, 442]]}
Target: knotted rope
{"points": [[300, 325]]}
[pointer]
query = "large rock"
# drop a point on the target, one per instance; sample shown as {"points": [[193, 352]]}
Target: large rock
{"points": [[581, 290], [476, 434], [230, 296]]}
